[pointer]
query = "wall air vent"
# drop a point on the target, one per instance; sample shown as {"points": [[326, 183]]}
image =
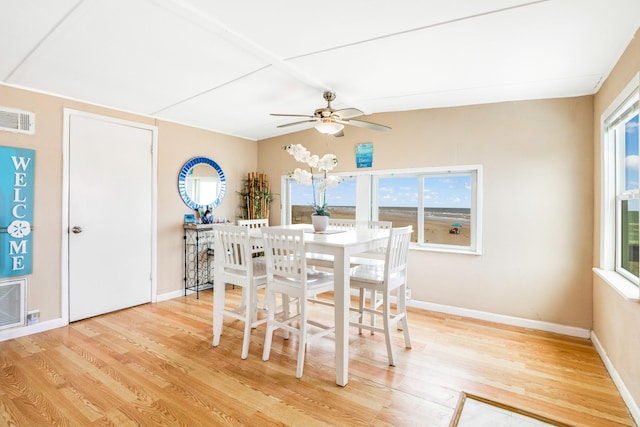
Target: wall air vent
{"points": [[12, 303], [13, 120]]}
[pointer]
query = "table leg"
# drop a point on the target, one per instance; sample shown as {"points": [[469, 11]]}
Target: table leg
{"points": [[341, 298]]}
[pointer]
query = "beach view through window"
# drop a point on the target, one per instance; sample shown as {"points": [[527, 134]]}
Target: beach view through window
{"points": [[629, 259], [340, 199], [446, 202]]}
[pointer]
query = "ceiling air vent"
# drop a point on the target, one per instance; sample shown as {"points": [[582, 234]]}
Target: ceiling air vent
{"points": [[17, 121]]}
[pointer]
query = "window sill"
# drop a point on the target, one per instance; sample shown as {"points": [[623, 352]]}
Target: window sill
{"points": [[422, 248], [625, 288]]}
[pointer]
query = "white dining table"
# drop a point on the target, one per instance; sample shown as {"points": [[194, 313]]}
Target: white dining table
{"points": [[341, 245]]}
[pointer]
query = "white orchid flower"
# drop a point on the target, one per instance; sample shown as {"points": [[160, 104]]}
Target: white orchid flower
{"points": [[305, 177], [327, 162], [313, 160], [329, 181], [302, 176], [298, 151]]}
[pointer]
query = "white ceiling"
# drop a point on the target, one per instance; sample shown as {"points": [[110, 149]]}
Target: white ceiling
{"points": [[225, 65]]}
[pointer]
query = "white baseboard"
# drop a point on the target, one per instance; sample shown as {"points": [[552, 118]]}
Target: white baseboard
{"points": [[634, 409], [170, 295], [474, 314], [23, 331], [499, 318]]}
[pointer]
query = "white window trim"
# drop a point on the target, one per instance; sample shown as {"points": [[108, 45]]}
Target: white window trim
{"points": [[619, 283], [606, 269], [365, 202]]}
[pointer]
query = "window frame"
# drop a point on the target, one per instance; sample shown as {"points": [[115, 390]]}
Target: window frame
{"points": [[367, 203], [612, 175]]}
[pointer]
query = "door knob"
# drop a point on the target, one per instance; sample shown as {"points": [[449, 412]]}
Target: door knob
{"points": [[76, 229]]}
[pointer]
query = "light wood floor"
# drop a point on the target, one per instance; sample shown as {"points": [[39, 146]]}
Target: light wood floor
{"points": [[154, 365]]}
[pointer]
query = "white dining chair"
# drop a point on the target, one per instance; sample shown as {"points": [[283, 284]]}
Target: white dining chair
{"points": [[385, 278], [326, 261], [378, 252], [255, 224], [346, 224], [236, 265], [335, 224], [287, 274], [373, 256]]}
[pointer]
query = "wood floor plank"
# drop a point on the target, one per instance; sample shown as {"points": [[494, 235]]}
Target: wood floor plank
{"points": [[154, 365]]}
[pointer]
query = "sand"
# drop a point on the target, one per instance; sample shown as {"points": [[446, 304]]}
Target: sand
{"points": [[436, 229]]}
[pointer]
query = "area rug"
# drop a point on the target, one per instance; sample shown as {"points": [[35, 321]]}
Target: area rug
{"points": [[476, 411]]}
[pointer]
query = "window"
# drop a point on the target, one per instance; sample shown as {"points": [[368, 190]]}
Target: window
{"points": [[627, 191], [341, 200], [441, 204], [621, 187]]}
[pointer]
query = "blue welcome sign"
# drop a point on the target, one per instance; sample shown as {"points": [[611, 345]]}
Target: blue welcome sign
{"points": [[17, 168]]}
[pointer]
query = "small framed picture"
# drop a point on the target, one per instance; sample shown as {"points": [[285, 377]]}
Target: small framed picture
{"points": [[189, 219], [364, 155]]}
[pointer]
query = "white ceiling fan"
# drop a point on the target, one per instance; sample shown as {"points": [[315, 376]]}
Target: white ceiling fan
{"points": [[331, 122]]}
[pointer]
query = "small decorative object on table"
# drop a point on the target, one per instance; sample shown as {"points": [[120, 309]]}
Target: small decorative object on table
{"points": [[320, 217], [189, 219], [207, 218]]}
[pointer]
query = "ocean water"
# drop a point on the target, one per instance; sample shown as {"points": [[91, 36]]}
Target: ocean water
{"points": [[460, 215]]}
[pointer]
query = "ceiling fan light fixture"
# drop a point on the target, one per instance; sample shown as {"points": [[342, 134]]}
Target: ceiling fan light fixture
{"points": [[328, 127], [331, 122]]}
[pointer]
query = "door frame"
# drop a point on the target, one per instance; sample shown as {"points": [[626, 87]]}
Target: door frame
{"points": [[67, 114]]}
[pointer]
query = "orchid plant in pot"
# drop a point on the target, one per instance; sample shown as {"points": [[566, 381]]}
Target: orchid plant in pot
{"points": [[323, 164]]}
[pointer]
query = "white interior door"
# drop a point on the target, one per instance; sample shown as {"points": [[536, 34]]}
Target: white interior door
{"points": [[110, 215]]}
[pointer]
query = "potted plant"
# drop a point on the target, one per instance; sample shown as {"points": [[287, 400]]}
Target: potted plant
{"points": [[324, 164], [256, 197]]}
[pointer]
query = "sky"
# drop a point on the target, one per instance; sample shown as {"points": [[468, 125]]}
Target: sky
{"points": [[631, 158], [442, 192], [631, 154]]}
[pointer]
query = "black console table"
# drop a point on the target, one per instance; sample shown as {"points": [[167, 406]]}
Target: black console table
{"points": [[198, 257]]}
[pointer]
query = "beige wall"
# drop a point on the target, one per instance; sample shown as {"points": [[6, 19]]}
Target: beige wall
{"points": [[616, 322], [538, 185], [176, 145]]}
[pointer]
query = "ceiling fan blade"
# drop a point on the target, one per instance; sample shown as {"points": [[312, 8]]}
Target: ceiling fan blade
{"points": [[296, 123], [291, 115], [363, 124], [328, 114], [347, 113]]}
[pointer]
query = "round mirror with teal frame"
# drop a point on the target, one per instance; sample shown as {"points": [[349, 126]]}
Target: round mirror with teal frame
{"points": [[189, 185]]}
